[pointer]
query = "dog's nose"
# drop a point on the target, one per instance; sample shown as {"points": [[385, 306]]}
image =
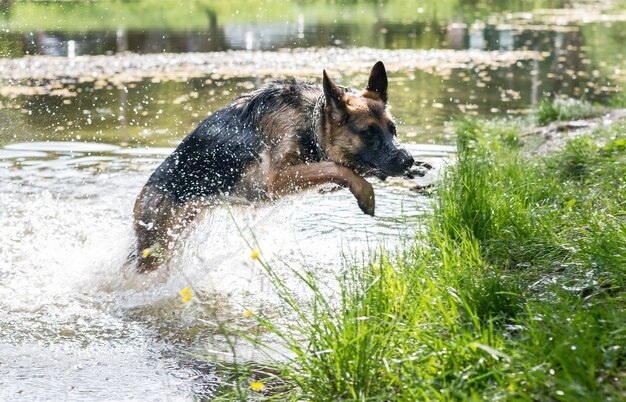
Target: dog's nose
{"points": [[406, 160]]}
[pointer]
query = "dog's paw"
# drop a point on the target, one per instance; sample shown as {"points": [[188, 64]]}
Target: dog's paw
{"points": [[364, 194], [367, 208]]}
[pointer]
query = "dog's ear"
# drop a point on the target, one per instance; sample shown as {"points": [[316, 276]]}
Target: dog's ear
{"points": [[377, 82], [334, 97]]}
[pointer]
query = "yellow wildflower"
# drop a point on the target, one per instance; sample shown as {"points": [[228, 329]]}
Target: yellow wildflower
{"points": [[247, 313], [257, 385], [154, 250], [185, 294], [255, 254]]}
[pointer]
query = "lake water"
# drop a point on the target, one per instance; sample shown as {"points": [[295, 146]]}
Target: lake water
{"points": [[75, 150]]}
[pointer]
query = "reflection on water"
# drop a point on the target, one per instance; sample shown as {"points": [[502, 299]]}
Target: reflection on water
{"points": [[109, 27], [73, 156], [578, 60], [161, 113]]}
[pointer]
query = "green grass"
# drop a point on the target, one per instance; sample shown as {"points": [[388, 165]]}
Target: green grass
{"points": [[565, 109], [515, 291], [618, 100]]}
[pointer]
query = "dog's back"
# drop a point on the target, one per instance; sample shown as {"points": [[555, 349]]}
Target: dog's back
{"points": [[212, 158]]}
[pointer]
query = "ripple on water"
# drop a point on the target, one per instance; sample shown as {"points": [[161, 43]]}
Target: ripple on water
{"points": [[62, 146], [157, 151], [19, 154]]}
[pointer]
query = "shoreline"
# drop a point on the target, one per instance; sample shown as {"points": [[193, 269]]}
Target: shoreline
{"points": [[132, 67]]}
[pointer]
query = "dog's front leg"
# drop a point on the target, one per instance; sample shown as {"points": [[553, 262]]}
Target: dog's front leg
{"points": [[293, 178]]}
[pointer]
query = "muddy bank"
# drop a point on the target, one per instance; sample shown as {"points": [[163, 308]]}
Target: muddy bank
{"points": [[556, 134], [130, 67]]}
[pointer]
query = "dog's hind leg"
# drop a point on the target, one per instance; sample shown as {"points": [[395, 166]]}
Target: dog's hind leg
{"points": [[151, 210], [158, 221]]}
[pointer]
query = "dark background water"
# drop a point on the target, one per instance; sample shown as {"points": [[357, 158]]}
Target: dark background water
{"points": [[582, 48]]}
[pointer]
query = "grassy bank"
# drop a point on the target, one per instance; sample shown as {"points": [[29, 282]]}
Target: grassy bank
{"points": [[514, 292], [26, 15], [176, 15]]}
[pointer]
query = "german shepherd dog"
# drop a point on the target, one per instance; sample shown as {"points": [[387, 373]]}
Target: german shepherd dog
{"points": [[282, 138]]}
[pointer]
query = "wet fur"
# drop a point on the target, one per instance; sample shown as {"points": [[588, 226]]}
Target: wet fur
{"points": [[282, 138]]}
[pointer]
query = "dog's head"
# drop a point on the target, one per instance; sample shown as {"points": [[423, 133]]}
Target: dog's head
{"points": [[359, 131]]}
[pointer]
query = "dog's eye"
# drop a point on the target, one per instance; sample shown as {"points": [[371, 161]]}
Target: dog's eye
{"points": [[371, 131]]}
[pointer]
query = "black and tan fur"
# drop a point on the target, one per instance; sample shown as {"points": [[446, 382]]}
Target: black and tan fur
{"points": [[282, 138]]}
